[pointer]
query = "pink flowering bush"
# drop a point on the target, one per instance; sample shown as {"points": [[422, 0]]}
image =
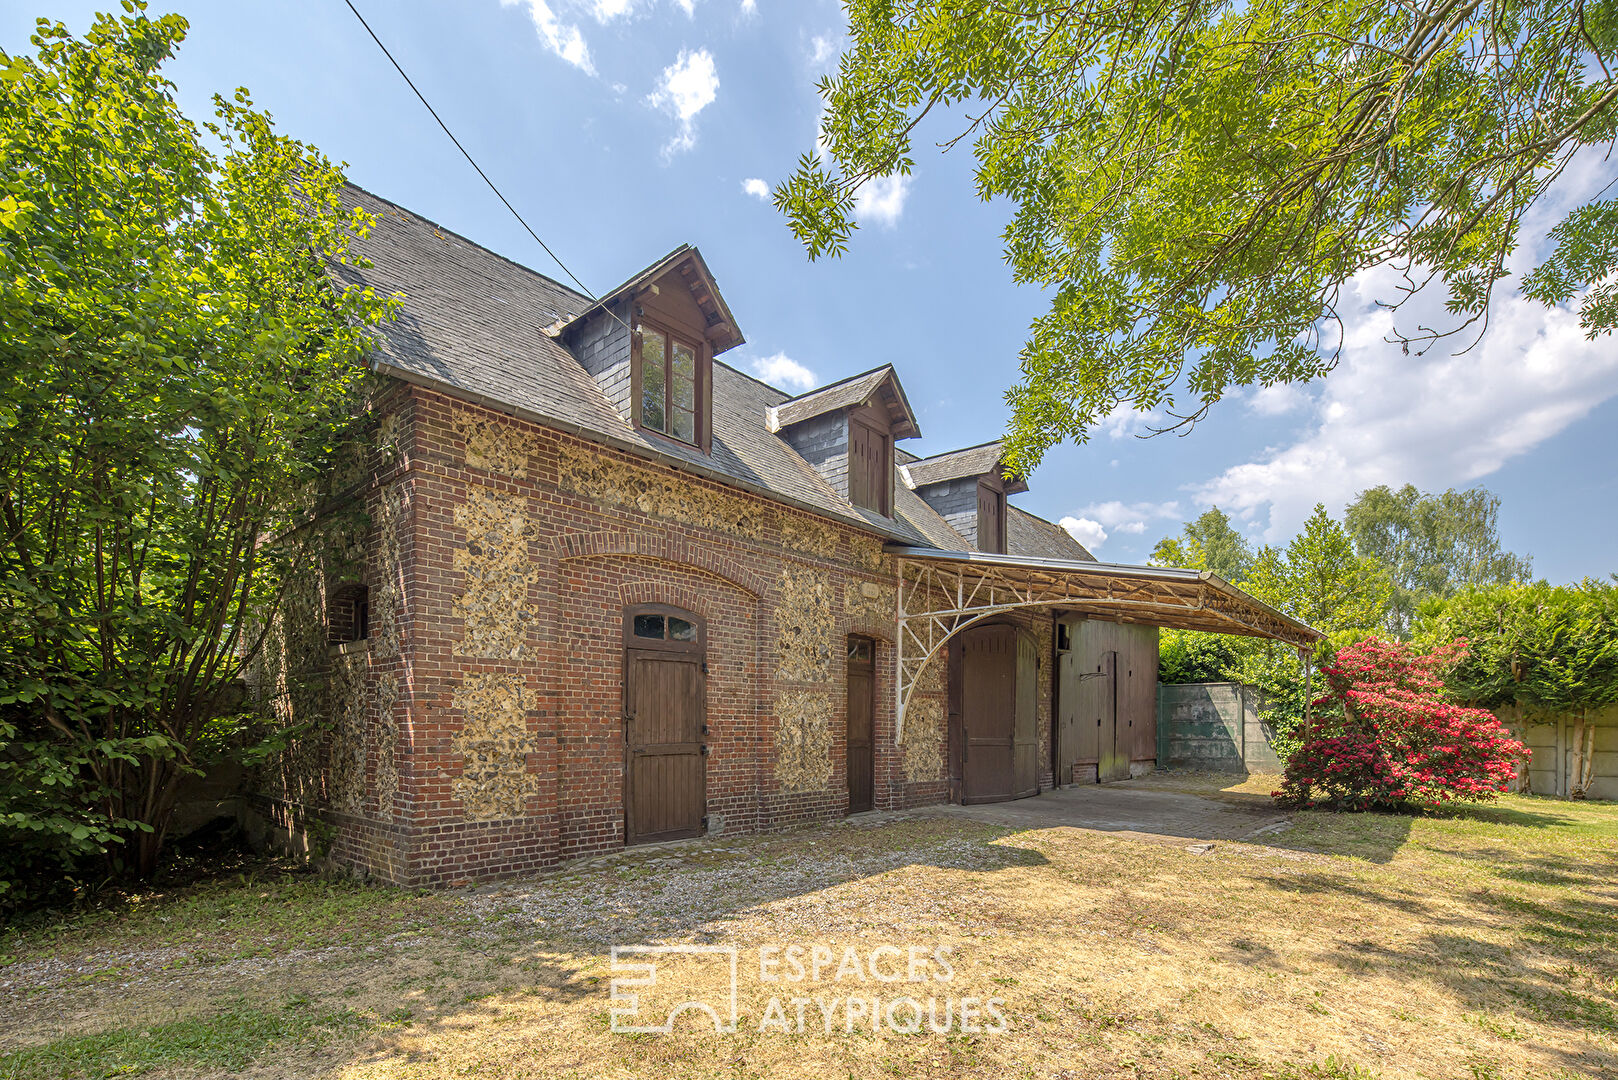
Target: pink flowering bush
{"points": [[1384, 737]]}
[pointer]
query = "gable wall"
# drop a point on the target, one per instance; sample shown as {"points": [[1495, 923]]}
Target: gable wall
{"points": [[956, 501], [521, 546], [602, 346], [823, 443]]}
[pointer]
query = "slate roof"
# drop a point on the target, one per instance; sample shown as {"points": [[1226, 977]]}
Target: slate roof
{"points": [[972, 461], [1030, 535], [474, 324], [852, 391]]}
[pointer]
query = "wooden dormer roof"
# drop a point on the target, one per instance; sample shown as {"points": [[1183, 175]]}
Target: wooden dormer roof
{"points": [[878, 387], [981, 460], [687, 265]]}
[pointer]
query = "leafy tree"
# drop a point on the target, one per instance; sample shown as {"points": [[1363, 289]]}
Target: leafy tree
{"points": [[1318, 578], [1536, 650], [1208, 543], [1432, 545], [178, 374], [1195, 182]]}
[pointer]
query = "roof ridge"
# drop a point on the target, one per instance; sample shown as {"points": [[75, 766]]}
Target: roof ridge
{"points": [[468, 240], [844, 379], [785, 397], [960, 450]]}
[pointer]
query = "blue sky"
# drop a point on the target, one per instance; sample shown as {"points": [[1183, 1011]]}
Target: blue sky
{"points": [[621, 129]]}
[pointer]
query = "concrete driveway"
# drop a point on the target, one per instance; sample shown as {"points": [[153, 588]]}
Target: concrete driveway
{"points": [[1136, 809]]}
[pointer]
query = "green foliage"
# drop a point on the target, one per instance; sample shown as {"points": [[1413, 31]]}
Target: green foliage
{"points": [[1194, 183], [1317, 578], [178, 374], [1546, 649], [1431, 545], [1189, 656], [1208, 543]]}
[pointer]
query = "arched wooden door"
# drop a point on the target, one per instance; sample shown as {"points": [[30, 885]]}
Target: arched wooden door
{"points": [[665, 725], [996, 668]]}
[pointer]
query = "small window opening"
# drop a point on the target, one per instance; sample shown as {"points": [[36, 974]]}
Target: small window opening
{"points": [[348, 614], [664, 628], [860, 650]]}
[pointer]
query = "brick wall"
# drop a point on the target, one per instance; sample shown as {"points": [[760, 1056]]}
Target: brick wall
{"points": [[479, 731]]}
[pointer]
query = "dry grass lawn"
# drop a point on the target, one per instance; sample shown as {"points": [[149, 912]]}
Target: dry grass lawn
{"points": [[1478, 945]]}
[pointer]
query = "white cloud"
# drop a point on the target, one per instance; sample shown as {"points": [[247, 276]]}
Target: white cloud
{"points": [[749, 8], [1129, 517], [687, 6], [607, 10], [756, 188], [783, 371], [1277, 400], [1089, 533], [688, 86], [823, 47], [1436, 421], [881, 200], [1439, 420], [561, 38]]}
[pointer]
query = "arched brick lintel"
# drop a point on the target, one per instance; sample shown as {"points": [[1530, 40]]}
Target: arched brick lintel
{"points": [[865, 626], [663, 549]]}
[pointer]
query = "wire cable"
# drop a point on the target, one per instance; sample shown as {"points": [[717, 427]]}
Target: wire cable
{"points": [[470, 160]]}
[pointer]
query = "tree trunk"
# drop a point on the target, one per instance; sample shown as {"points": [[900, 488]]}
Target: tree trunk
{"points": [[1584, 738]]}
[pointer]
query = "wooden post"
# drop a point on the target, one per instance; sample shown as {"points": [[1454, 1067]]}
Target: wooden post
{"points": [[1308, 696]]}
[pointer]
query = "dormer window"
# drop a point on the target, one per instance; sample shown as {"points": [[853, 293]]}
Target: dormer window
{"points": [[669, 374], [991, 518]]}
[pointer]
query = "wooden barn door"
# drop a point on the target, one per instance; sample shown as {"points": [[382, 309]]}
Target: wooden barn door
{"points": [[665, 774], [997, 671], [861, 719], [1111, 747], [1025, 726], [988, 667]]}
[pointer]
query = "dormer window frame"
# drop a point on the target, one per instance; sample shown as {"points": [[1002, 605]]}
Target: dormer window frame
{"points": [[674, 333]]}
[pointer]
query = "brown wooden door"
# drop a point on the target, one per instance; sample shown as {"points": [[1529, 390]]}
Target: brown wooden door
{"points": [[665, 774], [1112, 747], [861, 714], [988, 669], [1025, 727]]}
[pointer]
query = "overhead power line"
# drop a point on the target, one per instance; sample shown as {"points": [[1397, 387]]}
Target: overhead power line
{"points": [[470, 160]]}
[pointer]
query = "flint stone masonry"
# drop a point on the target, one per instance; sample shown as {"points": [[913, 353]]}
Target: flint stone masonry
{"points": [[492, 746], [490, 445], [494, 604], [805, 632], [803, 740]]}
